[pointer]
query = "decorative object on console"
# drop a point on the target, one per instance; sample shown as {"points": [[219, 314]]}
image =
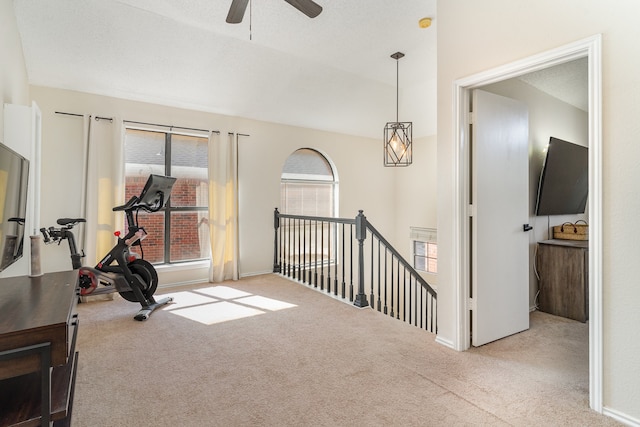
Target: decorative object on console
{"points": [[572, 231], [35, 270]]}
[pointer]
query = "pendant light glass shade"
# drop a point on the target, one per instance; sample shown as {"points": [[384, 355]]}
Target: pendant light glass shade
{"points": [[397, 144], [398, 135]]}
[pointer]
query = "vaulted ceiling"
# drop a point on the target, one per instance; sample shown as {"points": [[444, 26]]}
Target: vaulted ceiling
{"points": [[333, 72]]}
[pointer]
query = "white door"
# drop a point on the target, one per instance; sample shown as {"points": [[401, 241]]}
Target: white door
{"points": [[500, 200]]}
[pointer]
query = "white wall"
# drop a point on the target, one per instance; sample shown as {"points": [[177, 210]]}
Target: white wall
{"points": [[548, 117], [14, 89], [478, 36], [363, 180], [414, 196]]}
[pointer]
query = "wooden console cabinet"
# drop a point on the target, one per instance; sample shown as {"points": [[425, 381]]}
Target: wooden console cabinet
{"points": [[563, 268], [35, 311]]}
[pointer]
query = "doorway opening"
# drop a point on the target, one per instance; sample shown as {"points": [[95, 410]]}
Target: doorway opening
{"points": [[591, 50]]}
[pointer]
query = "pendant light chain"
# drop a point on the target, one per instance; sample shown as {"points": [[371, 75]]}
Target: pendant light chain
{"points": [[397, 88]]}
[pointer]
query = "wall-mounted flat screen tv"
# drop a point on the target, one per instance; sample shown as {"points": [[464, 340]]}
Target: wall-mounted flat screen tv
{"points": [[564, 180], [14, 174]]}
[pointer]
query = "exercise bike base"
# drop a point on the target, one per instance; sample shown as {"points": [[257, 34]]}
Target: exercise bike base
{"points": [[145, 312]]}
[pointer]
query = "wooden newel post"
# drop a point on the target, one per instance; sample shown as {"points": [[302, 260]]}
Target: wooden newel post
{"points": [[276, 226], [361, 234]]}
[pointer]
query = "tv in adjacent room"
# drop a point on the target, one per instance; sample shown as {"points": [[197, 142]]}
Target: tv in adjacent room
{"points": [[14, 174], [564, 180]]}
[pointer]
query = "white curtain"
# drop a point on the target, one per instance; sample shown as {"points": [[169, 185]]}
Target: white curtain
{"points": [[103, 185], [223, 207]]}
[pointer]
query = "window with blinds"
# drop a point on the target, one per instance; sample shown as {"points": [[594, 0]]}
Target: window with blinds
{"points": [[424, 249], [308, 185]]}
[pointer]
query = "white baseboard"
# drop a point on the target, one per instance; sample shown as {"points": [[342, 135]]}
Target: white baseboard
{"points": [[444, 342], [256, 273], [619, 416], [183, 283]]}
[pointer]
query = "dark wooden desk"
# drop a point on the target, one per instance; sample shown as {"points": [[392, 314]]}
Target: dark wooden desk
{"points": [[34, 311]]}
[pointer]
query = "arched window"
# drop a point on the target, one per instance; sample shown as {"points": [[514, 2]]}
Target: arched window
{"points": [[308, 185]]}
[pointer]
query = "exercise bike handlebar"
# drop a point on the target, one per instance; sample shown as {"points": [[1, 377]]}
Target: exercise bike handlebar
{"points": [[134, 204]]}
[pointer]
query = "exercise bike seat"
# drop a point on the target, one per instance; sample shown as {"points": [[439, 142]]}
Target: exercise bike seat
{"points": [[70, 221]]}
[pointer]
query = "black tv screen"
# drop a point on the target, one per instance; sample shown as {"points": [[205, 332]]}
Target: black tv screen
{"points": [[14, 174], [564, 180]]}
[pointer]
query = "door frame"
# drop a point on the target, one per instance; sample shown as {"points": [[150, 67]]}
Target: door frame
{"points": [[590, 48]]}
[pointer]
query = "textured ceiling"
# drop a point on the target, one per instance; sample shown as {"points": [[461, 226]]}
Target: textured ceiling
{"points": [[567, 82], [333, 72]]}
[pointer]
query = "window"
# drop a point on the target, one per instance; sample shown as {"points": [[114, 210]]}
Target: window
{"points": [[176, 233], [424, 248], [308, 185]]}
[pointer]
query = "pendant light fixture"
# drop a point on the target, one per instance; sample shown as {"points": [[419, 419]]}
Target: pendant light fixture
{"points": [[398, 135]]}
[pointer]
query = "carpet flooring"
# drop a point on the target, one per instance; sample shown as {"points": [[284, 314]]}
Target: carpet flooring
{"points": [[264, 351]]}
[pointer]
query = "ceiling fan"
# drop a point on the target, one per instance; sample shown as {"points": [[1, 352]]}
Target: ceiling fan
{"points": [[238, 7]]}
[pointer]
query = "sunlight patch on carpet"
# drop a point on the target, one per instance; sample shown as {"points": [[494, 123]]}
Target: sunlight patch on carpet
{"points": [[188, 299], [217, 304], [223, 292], [265, 303], [217, 312]]}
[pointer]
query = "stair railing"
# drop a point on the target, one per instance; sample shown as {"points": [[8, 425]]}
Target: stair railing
{"points": [[334, 256]]}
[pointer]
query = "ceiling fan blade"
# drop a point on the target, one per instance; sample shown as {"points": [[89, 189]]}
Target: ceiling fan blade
{"points": [[236, 11], [308, 7]]}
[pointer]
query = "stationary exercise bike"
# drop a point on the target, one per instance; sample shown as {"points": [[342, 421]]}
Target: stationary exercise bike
{"points": [[132, 277]]}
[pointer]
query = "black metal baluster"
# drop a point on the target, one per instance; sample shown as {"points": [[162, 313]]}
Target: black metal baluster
{"points": [[398, 285], [404, 289], [329, 258], [335, 261], [386, 263], [433, 328], [293, 250], [315, 274], [410, 290], [379, 281], [415, 303], [276, 226], [304, 250], [309, 269], [322, 257], [285, 239], [371, 297], [300, 249], [351, 265], [343, 266], [422, 313], [290, 244], [294, 266], [282, 263], [391, 280]]}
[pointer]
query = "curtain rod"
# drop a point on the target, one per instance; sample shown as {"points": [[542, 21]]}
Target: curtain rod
{"points": [[69, 114], [171, 126], [140, 123], [239, 134], [82, 115]]}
